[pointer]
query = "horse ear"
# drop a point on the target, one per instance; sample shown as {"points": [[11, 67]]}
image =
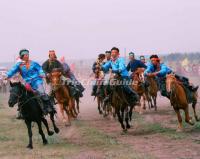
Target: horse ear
{"points": [[60, 73]]}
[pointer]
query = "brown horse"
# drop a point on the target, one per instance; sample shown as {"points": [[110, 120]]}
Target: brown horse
{"points": [[62, 95], [99, 75], [179, 100], [138, 87], [151, 92]]}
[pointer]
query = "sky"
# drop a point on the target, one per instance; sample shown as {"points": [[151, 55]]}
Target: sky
{"points": [[81, 29]]}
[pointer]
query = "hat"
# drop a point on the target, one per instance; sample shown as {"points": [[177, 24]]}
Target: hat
{"points": [[23, 52]]}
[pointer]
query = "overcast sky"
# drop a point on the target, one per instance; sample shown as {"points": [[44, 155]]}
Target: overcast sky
{"points": [[85, 28]]}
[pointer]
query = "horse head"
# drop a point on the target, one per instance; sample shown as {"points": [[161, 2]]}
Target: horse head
{"points": [[16, 92], [138, 79], [170, 78], [55, 78]]}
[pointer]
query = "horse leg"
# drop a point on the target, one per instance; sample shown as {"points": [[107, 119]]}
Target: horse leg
{"points": [[68, 115], [194, 109], [127, 119], [187, 116], [44, 121], [62, 112], [144, 100], [74, 108], [77, 105], [120, 119], [42, 133], [141, 106], [54, 124], [131, 113], [155, 104], [151, 99], [180, 126], [71, 108], [99, 105], [30, 134]]}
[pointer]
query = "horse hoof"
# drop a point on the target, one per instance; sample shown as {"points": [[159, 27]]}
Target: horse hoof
{"points": [[29, 147], [57, 130], [190, 122], [105, 115], [124, 132], [128, 126], [179, 130], [197, 119], [45, 142], [50, 133], [67, 125]]}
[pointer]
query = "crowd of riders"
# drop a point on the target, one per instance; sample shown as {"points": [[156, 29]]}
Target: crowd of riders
{"points": [[106, 64]]}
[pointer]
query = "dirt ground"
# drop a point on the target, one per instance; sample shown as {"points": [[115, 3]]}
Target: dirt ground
{"points": [[152, 135]]}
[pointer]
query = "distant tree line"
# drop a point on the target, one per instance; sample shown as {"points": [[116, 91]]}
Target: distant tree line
{"points": [[191, 57]]}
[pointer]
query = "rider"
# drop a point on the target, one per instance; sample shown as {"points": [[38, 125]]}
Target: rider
{"points": [[117, 64], [33, 75], [51, 64], [107, 74], [142, 59], [160, 70], [134, 64], [96, 70], [69, 74]]}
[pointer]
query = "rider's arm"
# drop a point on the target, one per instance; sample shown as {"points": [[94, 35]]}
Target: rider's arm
{"points": [[39, 69], [163, 71], [66, 68], [105, 67], [141, 64], [13, 70], [128, 67], [122, 65], [45, 66], [148, 70]]}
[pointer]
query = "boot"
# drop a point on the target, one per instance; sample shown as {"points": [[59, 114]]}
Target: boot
{"points": [[73, 91], [46, 105], [94, 89], [194, 89], [80, 87]]}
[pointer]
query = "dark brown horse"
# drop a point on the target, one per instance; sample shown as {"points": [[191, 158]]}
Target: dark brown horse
{"points": [[120, 103], [179, 100], [151, 92], [62, 95]]}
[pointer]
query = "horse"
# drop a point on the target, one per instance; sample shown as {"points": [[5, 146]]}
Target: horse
{"points": [[31, 111], [62, 95], [138, 86], [178, 99], [120, 103], [151, 92], [99, 76]]}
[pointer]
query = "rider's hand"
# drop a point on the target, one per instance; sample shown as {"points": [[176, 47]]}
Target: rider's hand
{"points": [[152, 74], [48, 75], [41, 76], [28, 87]]}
